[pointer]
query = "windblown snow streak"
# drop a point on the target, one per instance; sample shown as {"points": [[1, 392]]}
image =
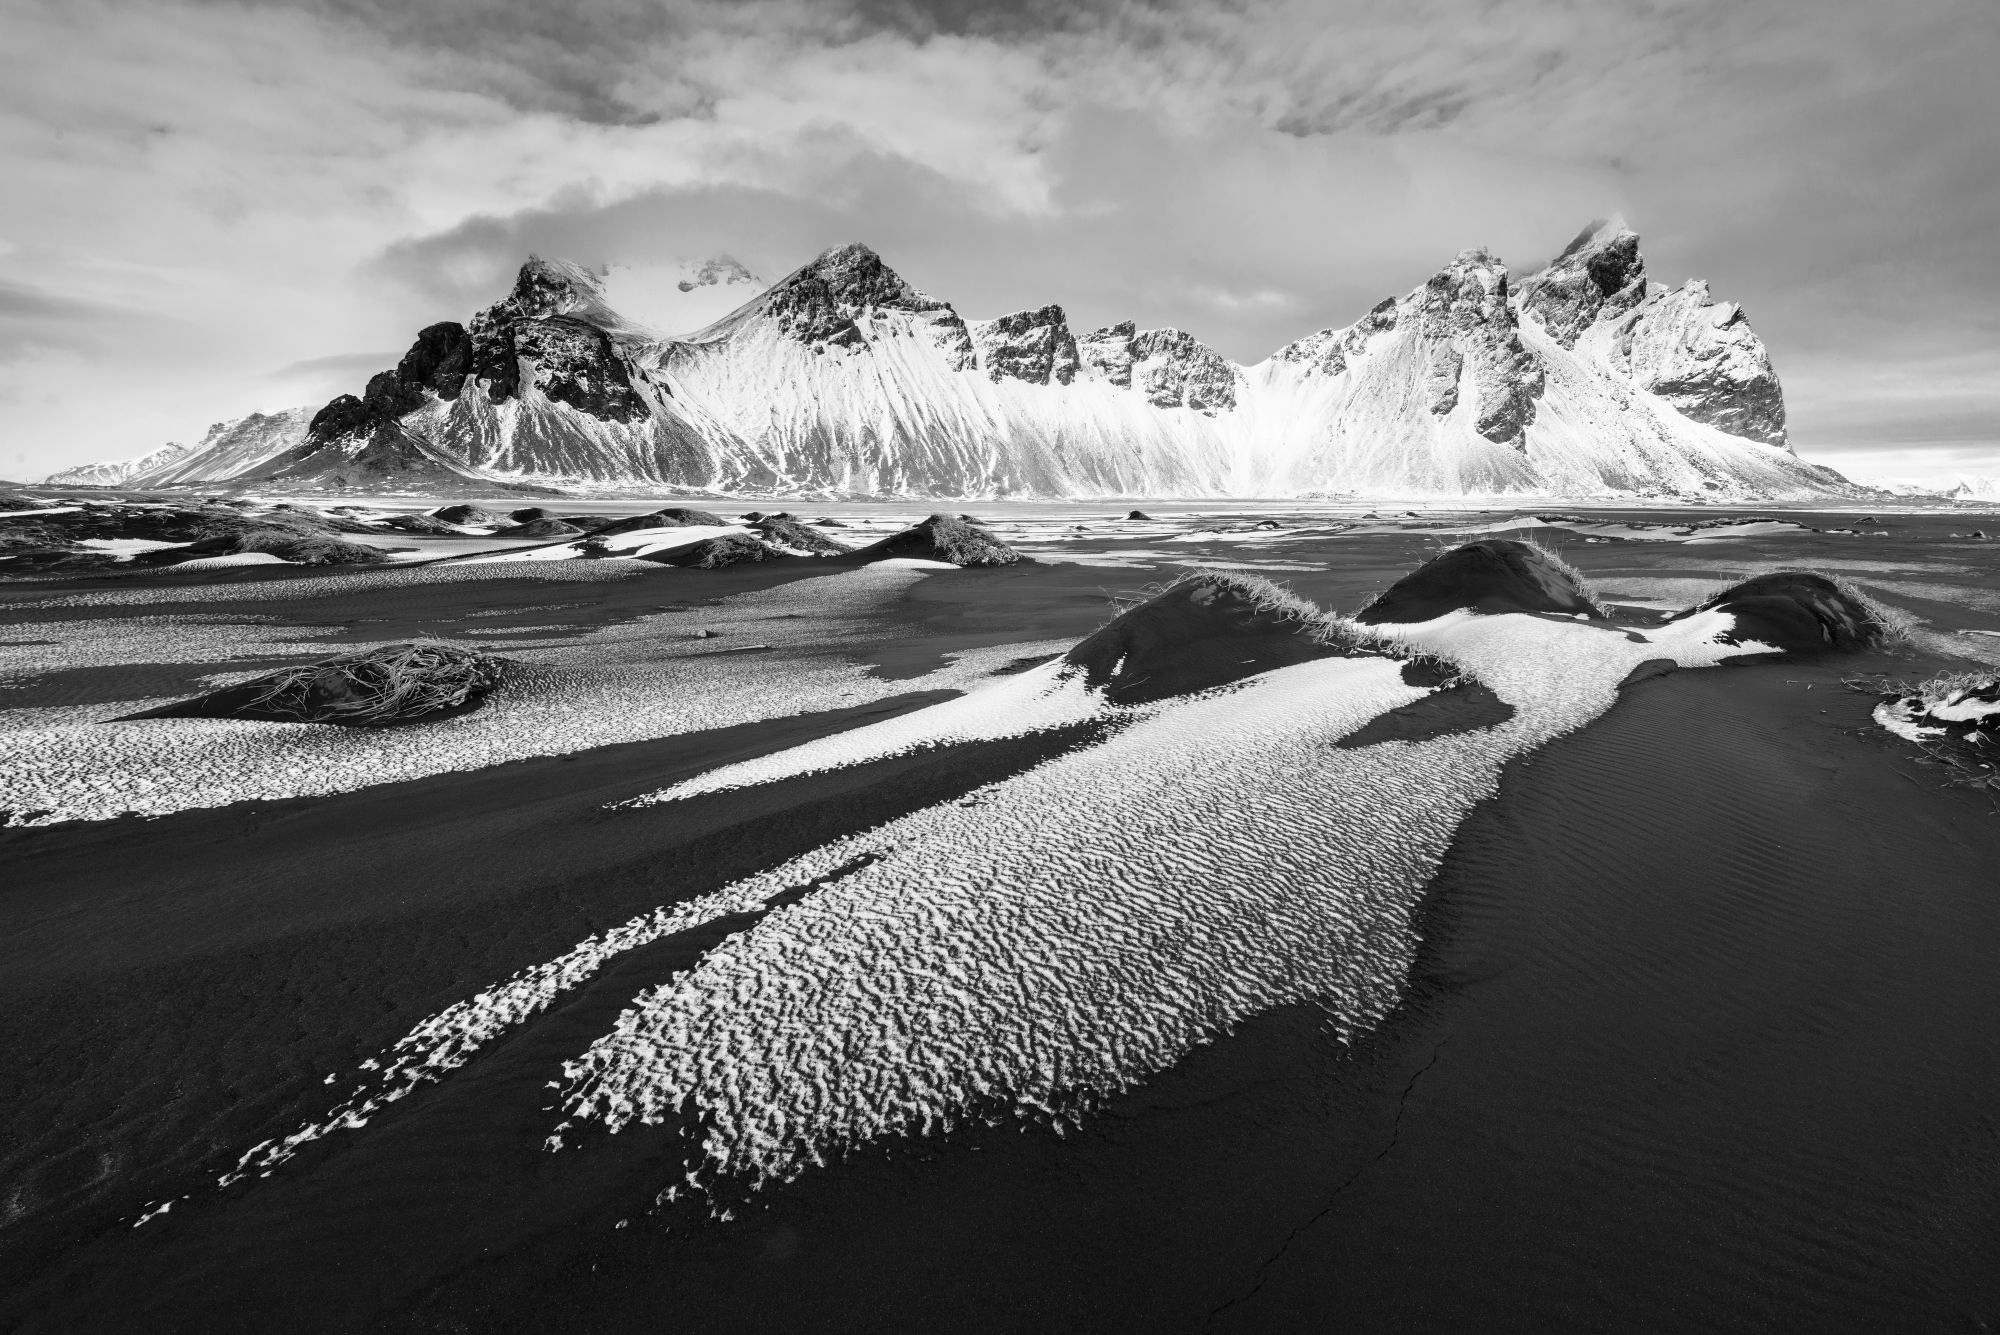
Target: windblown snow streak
{"points": [[1057, 936], [1043, 698]]}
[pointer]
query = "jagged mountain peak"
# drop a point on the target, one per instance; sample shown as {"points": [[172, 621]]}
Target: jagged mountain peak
{"points": [[1582, 378], [1599, 275], [839, 301], [1596, 234], [544, 288], [854, 275]]}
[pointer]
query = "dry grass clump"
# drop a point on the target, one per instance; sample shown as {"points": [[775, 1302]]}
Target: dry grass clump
{"points": [[1966, 749], [1552, 553], [397, 683], [1893, 627], [943, 537], [730, 550], [1342, 634], [789, 532], [965, 544]]}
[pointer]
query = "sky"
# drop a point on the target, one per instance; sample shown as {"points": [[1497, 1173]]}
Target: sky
{"points": [[215, 207]]}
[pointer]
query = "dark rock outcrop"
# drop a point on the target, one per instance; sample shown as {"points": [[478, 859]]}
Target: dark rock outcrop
{"points": [[1329, 351], [1033, 346], [1599, 275], [1467, 320], [1107, 352], [577, 364], [1702, 356], [1170, 367], [437, 363], [1491, 575], [555, 318], [827, 303]]}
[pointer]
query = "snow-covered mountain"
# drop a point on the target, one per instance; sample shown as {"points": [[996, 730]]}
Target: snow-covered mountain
{"points": [[119, 473], [1584, 379]]}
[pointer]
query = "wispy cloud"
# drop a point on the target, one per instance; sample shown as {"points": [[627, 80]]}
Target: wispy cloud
{"points": [[285, 179]]}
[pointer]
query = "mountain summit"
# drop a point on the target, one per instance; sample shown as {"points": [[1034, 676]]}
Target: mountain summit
{"points": [[1585, 378]]}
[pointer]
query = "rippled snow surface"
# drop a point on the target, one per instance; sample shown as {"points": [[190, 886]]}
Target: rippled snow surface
{"points": [[1062, 934]]}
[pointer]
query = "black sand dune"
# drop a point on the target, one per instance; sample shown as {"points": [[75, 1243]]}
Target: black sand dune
{"points": [[469, 515], [422, 525], [1798, 612], [539, 527], [1700, 1037], [715, 553], [1491, 575], [789, 532], [1203, 631], [672, 517], [954, 538], [309, 549]]}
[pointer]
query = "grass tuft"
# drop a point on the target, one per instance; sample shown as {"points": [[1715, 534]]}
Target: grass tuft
{"points": [[392, 684]]}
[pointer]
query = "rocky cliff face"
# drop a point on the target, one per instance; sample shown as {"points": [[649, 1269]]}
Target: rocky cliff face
{"points": [[1107, 353], [1032, 346], [1468, 322], [1696, 353], [1599, 275], [1328, 352], [556, 321], [1584, 379], [1701, 355], [1170, 368], [840, 301]]}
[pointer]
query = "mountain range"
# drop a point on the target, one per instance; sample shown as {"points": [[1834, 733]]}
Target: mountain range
{"points": [[1584, 379]]}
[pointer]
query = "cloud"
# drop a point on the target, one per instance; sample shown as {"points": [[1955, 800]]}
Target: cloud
{"points": [[278, 180]]}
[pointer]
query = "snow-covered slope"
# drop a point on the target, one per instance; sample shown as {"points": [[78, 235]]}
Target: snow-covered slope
{"points": [[1585, 379], [119, 473]]}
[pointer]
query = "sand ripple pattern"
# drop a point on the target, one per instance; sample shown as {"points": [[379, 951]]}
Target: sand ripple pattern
{"points": [[1059, 935], [621, 683], [1067, 932]]}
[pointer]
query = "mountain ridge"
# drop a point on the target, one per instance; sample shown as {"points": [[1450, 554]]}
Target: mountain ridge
{"points": [[843, 378]]}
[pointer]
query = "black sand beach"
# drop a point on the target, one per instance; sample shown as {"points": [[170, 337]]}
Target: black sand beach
{"points": [[1699, 1033]]}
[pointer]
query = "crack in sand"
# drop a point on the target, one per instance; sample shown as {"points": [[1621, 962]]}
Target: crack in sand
{"points": [[1395, 1133]]}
